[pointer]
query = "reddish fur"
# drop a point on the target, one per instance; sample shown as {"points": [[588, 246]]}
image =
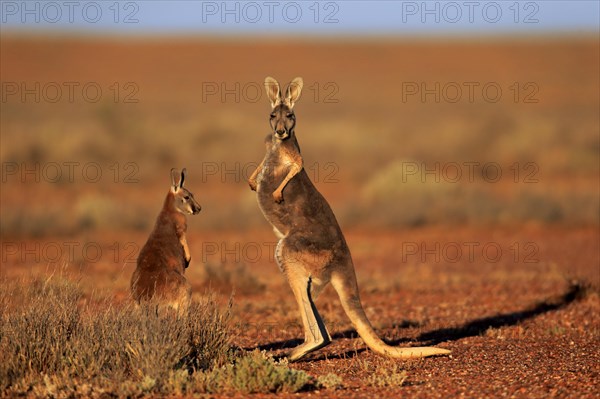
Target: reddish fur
{"points": [[312, 250], [161, 263]]}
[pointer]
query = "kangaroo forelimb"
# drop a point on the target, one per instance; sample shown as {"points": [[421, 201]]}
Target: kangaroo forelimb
{"points": [[254, 175], [295, 168]]}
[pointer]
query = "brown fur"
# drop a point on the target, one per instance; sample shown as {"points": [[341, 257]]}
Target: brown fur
{"points": [[312, 250], [162, 261]]}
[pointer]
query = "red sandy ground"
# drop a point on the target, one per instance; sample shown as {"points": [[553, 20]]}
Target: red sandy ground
{"points": [[515, 325]]}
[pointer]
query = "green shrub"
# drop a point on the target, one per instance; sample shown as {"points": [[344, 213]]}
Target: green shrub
{"points": [[257, 373], [330, 381]]}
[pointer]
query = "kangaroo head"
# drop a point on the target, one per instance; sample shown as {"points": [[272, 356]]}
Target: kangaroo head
{"points": [[184, 201], [282, 118]]}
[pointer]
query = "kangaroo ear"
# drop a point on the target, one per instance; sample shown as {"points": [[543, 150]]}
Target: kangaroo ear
{"points": [[273, 92], [292, 93], [174, 180], [183, 173]]}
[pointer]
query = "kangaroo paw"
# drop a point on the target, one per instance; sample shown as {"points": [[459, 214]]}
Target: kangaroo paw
{"points": [[301, 351], [278, 196], [252, 184]]}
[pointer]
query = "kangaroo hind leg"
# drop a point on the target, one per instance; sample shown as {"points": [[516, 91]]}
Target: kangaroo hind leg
{"points": [[296, 266], [316, 335]]}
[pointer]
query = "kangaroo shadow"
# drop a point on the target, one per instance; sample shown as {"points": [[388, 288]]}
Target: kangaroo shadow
{"points": [[292, 343], [348, 334], [480, 326], [473, 328]]}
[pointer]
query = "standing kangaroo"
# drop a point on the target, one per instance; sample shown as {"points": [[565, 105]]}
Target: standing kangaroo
{"points": [[312, 250], [165, 256]]}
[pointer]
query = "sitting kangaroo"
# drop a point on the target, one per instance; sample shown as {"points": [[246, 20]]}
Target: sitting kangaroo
{"points": [[312, 250], [165, 256]]}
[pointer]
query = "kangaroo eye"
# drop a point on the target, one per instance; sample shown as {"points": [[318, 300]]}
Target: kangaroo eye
{"points": [[291, 116], [272, 116], [187, 197]]}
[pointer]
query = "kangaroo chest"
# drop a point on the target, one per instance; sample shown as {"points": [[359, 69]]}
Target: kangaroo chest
{"points": [[277, 165]]}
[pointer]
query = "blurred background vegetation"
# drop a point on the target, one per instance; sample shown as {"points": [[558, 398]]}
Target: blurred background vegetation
{"points": [[382, 156]]}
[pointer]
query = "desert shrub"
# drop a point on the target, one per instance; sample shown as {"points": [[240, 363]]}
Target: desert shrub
{"points": [[581, 207], [330, 381], [395, 197], [529, 205], [231, 276], [37, 337], [34, 222], [390, 376], [89, 212], [256, 373], [48, 339], [55, 342], [102, 212]]}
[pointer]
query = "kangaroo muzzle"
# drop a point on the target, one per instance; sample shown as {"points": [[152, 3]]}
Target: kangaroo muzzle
{"points": [[281, 134]]}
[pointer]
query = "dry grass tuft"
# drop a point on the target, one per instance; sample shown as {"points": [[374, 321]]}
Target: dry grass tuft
{"points": [[56, 343], [53, 341]]}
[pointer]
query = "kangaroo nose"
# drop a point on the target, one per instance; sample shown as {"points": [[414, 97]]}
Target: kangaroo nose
{"points": [[280, 132]]}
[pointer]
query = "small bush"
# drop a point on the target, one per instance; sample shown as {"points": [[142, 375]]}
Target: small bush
{"points": [[387, 377], [88, 212], [48, 340], [397, 198], [227, 277], [330, 381], [103, 212], [257, 373]]}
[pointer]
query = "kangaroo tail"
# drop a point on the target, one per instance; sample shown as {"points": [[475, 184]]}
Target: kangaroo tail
{"points": [[347, 289]]}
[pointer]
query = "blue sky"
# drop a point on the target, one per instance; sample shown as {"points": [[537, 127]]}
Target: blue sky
{"points": [[310, 17]]}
